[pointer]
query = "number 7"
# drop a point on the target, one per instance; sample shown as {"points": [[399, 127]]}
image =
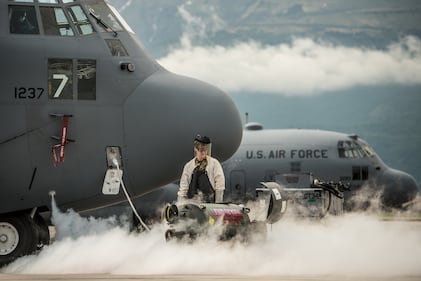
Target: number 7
{"points": [[63, 82]]}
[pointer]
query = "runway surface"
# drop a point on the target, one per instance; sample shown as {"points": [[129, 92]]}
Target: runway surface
{"points": [[353, 247], [89, 277]]}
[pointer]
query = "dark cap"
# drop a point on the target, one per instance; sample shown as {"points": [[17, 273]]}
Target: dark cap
{"points": [[204, 139]]}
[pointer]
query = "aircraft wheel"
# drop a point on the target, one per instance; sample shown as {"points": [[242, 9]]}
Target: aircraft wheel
{"points": [[18, 237], [43, 231]]}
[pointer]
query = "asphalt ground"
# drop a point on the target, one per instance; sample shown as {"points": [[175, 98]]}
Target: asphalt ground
{"points": [[25, 271], [88, 277]]}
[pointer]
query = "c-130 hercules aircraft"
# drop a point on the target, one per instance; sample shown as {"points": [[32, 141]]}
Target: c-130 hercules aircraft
{"points": [[331, 156], [80, 96]]}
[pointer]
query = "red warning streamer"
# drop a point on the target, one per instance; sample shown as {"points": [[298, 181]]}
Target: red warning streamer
{"points": [[62, 144]]}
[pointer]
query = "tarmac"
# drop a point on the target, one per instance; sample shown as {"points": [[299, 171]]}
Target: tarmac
{"points": [[88, 277], [413, 224]]}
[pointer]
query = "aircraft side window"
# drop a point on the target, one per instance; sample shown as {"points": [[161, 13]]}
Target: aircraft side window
{"points": [[116, 48], [364, 173], [360, 173], [60, 79], [86, 83], [55, 22], [80, 20], [356, 173], [63, 72], [23, 20]]}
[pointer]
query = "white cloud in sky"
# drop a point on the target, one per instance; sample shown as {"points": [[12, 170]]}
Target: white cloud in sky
{"points": [[303, 67]]}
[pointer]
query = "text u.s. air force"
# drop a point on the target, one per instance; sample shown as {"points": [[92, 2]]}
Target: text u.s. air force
{"points": [[284, 154]]}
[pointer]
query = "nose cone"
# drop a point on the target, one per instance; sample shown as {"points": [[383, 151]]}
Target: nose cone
{"points": [[399, 188], [161, 119]]}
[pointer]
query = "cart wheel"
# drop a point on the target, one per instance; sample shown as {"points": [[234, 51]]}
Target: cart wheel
{"points": [[169, 235]]}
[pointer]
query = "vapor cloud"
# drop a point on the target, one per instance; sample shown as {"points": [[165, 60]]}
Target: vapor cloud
{"points": [[303, 67], [354, 245]]}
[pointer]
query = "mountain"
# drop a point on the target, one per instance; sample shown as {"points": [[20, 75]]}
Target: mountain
{"points": [[161, 23]]}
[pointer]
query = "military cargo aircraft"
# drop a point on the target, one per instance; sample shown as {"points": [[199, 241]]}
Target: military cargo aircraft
{"points": [[80, 96], [264, 154], [328, 155]]}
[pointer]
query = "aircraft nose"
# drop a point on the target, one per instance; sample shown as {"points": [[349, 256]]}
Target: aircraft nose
{"points": [[399, 188], [161, 119]]}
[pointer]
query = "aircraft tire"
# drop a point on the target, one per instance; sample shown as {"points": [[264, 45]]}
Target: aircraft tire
{"points": [[43, 231], [18, 237]]}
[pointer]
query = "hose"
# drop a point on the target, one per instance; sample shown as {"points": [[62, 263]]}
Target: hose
{"points": [[128, 197]]}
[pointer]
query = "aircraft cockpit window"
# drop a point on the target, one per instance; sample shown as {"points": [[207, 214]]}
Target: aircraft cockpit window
{"points": [[45, 1], [80, 20], [121, 19], [55, 22], [351, 149], [23, 20], [116, 48], [106, 19], [368, 150]]}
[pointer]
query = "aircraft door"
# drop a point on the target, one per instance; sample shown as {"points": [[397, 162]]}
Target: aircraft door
{"points": [[237, 186]]}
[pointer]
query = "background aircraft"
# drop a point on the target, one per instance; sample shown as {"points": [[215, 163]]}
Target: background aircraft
{"points": [[330, 156], [80, 96]]}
